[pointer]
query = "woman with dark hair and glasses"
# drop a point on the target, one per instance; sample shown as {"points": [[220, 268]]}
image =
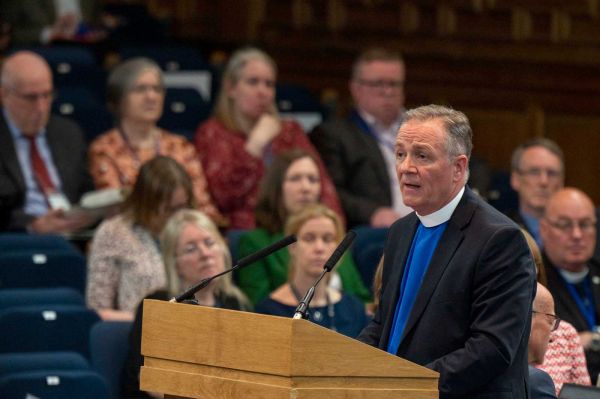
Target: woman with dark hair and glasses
{"points": [[292, 182], [136, 95], [124, 263]]}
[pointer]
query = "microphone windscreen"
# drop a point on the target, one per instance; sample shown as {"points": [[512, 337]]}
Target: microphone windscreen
{"points": [[339, 251]]}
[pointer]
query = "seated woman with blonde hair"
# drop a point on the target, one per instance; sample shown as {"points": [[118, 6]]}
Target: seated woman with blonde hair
{"points": [[192, 250], [245, 134], [319, 231]]}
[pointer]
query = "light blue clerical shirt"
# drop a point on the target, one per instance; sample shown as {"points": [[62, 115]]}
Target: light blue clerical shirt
{"points": [[426, 239]]}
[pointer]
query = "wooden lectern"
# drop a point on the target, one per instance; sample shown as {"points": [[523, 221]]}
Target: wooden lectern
{"points": [[200, 352]]}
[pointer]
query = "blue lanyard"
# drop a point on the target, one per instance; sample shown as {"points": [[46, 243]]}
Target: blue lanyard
{"points": [[586, 305], [364, 126]]}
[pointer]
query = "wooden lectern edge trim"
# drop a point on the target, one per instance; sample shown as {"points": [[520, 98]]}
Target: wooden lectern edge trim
{"points": [[180, 383], [295, 330]]}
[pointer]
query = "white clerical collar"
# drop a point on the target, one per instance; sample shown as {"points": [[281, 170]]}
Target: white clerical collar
{"points": [[574, 277], [442, 215]]}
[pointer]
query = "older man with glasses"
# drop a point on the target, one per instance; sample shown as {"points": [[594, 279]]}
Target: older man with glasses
{"points": [[568, 231], [43, 163], [537, 172], [543, 322]]}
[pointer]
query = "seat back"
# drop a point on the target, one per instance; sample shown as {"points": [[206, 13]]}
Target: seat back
{"points": [[53, 384], [23, 242], [296, 102], [74, 66], [44, 269], [183, 111], [82, 106], [367, 251], [169, 58], [11, 363], [45, 328], [16, 297], [573, 391], [109, 345]]}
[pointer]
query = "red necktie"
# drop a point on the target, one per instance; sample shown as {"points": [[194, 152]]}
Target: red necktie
{"points": [[40, 172]]}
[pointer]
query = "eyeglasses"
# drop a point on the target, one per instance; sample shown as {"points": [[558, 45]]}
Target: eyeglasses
{"points": [[193, 248], [538, 172], [142, 89], [555, 320], [381, 84], [567, 225], [34, 97]]}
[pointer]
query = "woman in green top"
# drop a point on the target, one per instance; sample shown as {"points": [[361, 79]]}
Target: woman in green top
{"points": [[291, 182]]}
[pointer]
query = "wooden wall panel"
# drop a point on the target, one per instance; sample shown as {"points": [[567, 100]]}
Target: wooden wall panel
{"points": [[579, 137], [496, 133]]}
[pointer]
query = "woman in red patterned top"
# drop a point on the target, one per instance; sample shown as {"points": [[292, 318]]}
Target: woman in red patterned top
{"points": [[245, 134], [136, 96]]}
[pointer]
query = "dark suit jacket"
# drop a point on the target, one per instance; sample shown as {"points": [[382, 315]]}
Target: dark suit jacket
{"points": [[472, 316], [541, 384], [356, 166], [69, 152], [564, 305]]}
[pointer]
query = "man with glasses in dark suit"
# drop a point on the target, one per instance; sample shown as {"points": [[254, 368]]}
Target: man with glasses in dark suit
{"points": [[359, 150], [568, 231], [43, 165]]}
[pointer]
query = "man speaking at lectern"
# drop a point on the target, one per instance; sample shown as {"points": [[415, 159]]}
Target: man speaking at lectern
{"points": [[458, 277]]}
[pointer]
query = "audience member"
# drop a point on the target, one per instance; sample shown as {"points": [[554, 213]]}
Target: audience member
{"points": [[136, 96], [192, 249], [319, 230], [46, 21], [43, 166], [124, 261], [458, 278], [291, 182], [244, 136], [565, 359], [359, 150], [568, 231], [537, 172], [543, 322]]}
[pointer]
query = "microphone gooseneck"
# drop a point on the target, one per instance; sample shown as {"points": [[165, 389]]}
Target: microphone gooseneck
{"points": [[284, 242], [302, 309]]}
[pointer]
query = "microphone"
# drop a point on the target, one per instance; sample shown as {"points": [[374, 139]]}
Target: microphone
{"points": [[284, 242], [302, 309]]}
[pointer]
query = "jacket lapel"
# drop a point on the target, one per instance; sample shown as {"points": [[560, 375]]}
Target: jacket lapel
{"points": [[449, 243], [371, 147], [60, 158], [8, 154], [397, 265]]}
